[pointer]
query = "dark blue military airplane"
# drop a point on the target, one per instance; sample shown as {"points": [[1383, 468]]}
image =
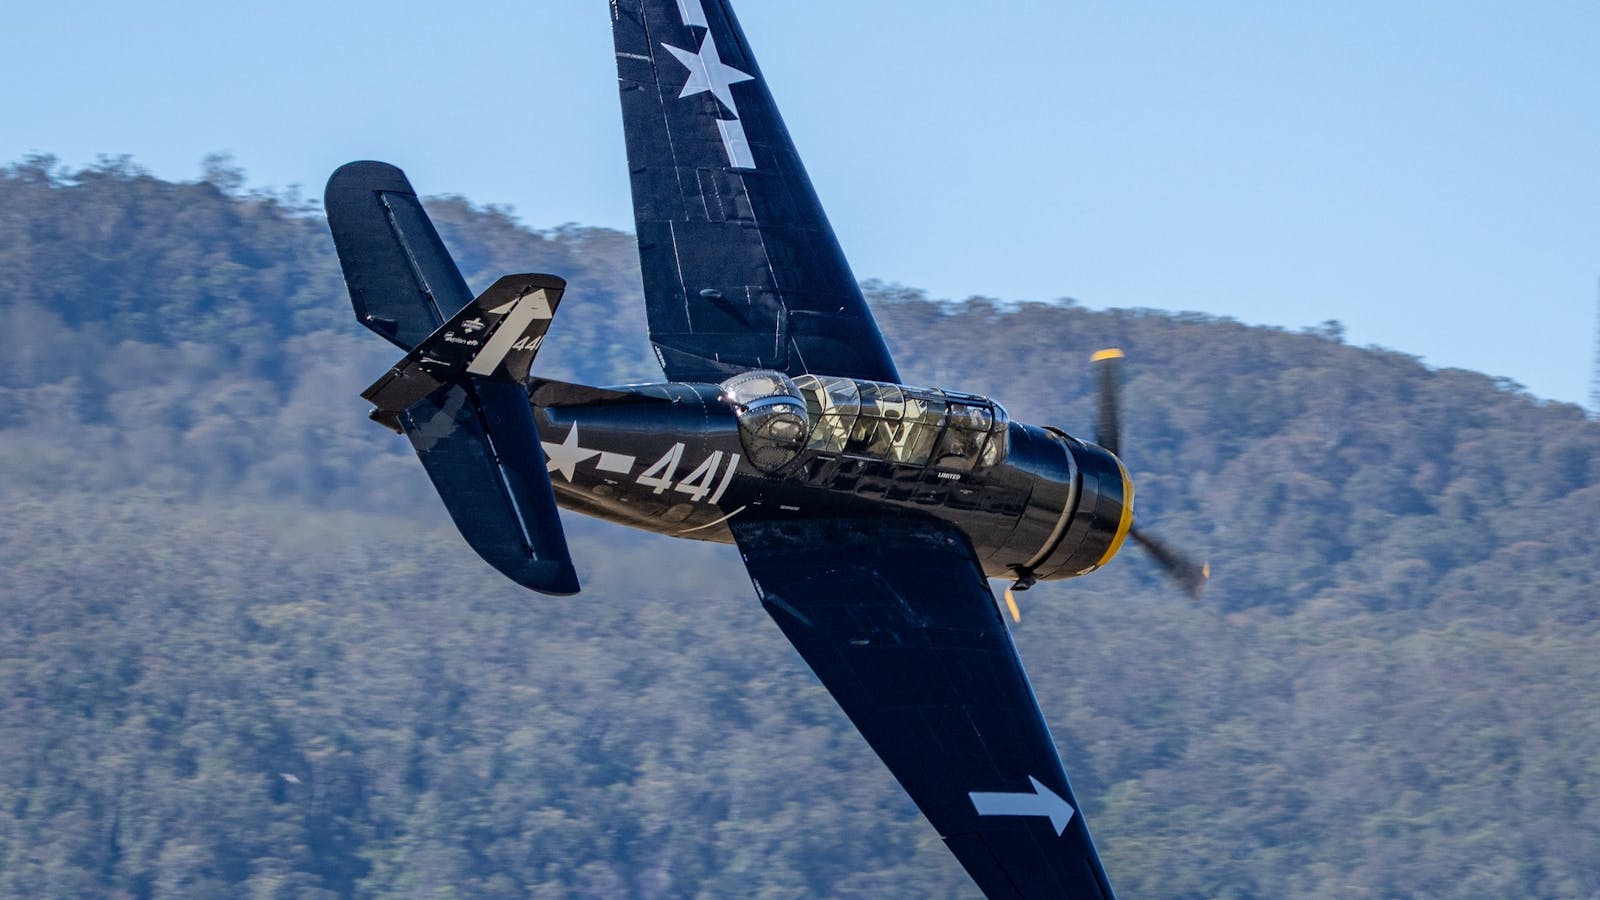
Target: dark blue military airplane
{"points": [[869, 513]]}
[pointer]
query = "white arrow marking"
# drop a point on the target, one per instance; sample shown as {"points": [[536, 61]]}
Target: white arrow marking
{"points": [[522, 313], [1042, 802]]}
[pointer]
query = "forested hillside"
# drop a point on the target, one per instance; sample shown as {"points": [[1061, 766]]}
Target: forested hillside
{"points": [[243, 653]]}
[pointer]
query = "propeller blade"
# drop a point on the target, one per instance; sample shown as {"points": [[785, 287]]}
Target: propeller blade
{"points": [[1108, 431], [1011, 604], [1189, 575]]}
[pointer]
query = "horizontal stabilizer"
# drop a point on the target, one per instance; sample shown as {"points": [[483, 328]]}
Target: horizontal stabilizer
{"points": [[401, 278], [494, 336], [478, 441]]}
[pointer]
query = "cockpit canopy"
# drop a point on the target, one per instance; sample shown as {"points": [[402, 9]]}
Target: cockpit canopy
{"points": [[779, 417], [912, 426], [772, 417]]}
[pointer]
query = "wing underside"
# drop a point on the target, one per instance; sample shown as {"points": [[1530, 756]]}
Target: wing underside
{"points": [[896, 619], [741, 268]]}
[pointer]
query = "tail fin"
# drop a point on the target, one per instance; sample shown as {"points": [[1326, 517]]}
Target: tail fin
{"points": [[494, 336], [458, 395]]}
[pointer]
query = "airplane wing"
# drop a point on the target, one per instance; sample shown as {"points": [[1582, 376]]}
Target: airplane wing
{"points": [[741, 268], [896, 619]]}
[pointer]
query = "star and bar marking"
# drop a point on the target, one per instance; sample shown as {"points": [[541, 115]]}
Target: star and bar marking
{"points": [[565, 456], [709, 74]]}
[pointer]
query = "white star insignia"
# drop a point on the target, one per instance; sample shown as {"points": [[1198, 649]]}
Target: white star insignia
{"points": [[565, 456], [707, 72]]}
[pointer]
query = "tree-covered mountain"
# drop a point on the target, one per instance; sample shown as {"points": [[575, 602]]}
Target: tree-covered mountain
{"points": [[243, 653]]}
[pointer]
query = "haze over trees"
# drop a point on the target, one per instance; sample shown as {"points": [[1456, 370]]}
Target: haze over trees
{"points": [[243, 653]]}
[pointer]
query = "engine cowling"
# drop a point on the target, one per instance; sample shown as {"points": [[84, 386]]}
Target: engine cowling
{"points": [[1079, 511]]}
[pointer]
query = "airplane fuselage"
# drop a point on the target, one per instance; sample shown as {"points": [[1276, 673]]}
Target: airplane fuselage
{"points": [[672, 458]]}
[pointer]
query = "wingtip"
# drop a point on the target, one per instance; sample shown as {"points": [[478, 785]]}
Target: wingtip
{"points": [[362, 176], [553, 579]]}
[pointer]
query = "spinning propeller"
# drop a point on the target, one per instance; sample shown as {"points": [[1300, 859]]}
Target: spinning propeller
{"points": [[1189, 575]]}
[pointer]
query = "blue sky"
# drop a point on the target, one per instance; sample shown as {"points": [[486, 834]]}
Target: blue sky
{"points": [[1424, 172]]}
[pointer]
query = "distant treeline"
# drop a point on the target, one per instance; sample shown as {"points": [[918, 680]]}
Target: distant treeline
{"points": [[242, 653]]}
